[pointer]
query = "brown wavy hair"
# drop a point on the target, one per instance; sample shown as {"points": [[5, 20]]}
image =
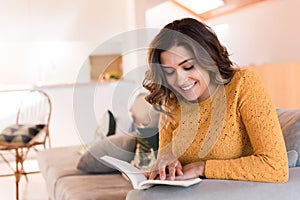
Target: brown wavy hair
{"points": [[202, 42]]}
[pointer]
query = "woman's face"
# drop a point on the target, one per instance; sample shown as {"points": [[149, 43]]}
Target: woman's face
{"points": [[184, 75]]}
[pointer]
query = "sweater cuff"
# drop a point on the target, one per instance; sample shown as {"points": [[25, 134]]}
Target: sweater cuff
{"points": [[213, 169]]}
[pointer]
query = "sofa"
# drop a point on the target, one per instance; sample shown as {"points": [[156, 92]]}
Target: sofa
{"points": [[66, 180]]}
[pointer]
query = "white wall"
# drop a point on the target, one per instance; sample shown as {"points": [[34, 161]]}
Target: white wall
{"points": [[47, 42], [265, 33]]}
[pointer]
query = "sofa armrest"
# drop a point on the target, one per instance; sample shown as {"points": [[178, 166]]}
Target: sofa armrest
{"points": [[225, 189], [56, 163]]}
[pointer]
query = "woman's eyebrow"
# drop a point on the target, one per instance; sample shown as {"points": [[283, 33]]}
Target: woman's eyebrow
{"points": [[186, 60], [182, 62]]}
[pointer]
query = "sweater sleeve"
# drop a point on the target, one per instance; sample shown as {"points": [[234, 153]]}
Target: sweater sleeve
{"points": [[268, 163]]}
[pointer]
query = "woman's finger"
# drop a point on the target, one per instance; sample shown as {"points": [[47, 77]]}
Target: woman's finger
{"points": [[152, 175], [172, 170], [179, 171], [147, 174], [161, 167], [162, 173]]}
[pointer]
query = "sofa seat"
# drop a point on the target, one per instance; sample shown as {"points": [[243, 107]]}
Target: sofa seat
{"points": [[83, 187], [225, 189], [64, 181]]}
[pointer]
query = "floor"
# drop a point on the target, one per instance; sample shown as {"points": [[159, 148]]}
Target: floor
{"points": [[34, 189]]}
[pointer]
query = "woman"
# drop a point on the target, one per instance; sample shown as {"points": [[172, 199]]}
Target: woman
{"points": [[217, 120]]}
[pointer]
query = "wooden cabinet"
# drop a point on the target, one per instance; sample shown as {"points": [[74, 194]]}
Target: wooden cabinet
{"points": [[282, 82], [104, 67]]}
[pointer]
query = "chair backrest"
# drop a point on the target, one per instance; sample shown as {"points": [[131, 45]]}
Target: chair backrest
{"points": [[35, 108]]}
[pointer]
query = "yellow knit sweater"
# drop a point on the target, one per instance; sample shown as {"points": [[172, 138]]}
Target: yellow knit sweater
{"points": [[236, 131]]}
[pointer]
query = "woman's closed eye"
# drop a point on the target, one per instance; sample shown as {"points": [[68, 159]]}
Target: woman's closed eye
{"points": [[169, 72], [188, 68]]}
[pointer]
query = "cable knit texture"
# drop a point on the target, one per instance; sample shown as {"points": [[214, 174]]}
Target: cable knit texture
{"points": [[236, 131]]}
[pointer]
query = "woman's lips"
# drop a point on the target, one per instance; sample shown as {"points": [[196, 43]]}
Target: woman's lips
{"points": [[188, 87]]}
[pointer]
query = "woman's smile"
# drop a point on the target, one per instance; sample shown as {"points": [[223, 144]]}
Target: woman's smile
{"points": [[188, 87]]}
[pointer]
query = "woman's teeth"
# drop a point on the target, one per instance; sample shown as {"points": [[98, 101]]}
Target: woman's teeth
{"points": [[188, 87]]}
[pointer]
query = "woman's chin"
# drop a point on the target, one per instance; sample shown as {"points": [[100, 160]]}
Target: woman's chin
{"points": [[190, 98]]}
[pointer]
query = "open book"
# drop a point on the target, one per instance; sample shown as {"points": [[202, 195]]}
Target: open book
{"points": [[138, 179]]}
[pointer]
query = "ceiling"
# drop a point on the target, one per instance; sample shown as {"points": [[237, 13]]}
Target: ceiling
{"points": [[228, 7]]}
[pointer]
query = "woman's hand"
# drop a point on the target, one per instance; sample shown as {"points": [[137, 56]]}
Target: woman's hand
{"points": [[166, 167], [192, 170]]}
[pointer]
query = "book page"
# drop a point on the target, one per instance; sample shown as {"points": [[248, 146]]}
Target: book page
{"points": [[182, 183], [137, 178], [134, 175]]}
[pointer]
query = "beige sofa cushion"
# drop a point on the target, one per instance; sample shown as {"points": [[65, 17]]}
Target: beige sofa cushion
{"points": [[290, 124], [64, 181], [96, 187]]}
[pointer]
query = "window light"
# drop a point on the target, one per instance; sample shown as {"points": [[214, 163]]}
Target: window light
{"points": [[200, 6]]}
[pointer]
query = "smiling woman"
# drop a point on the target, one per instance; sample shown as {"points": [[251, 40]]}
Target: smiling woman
{"points": [[217, 120]]}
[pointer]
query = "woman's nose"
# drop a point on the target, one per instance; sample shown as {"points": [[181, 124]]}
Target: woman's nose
{"points": [[181, 77]]}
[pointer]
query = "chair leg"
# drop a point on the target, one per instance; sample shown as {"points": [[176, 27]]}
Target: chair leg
{"points": [[22, 171], [17, 190], [49, 142], [22, 159], [17, 174]]}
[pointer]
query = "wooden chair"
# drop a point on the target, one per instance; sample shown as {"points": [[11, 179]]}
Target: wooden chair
{"points": [[30, 131]]}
